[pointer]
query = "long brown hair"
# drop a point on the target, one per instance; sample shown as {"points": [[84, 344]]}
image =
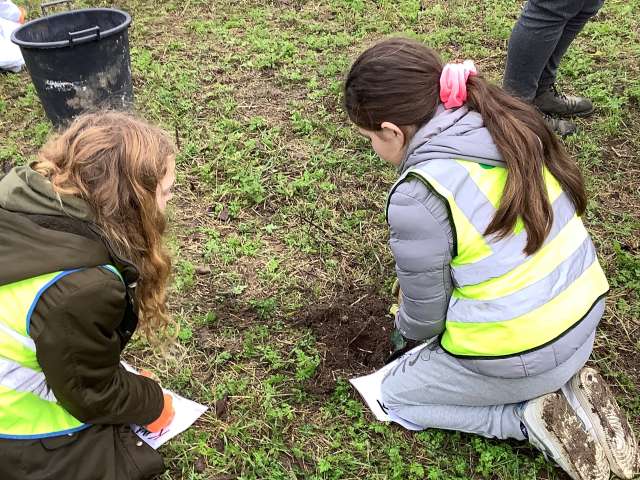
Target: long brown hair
{"points": [[115, 162], [398, 81]]}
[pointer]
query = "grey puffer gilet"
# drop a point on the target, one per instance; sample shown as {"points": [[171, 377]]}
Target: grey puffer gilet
{"points": [[421, 239]]}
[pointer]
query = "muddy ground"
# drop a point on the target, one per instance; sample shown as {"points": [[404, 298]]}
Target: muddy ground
{"points": [[354, 331]]}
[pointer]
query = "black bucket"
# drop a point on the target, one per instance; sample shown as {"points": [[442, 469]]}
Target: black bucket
{"points": [[78, 61]]}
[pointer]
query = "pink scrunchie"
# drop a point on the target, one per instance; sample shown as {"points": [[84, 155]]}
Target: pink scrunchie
{"points": [[453, 83]]}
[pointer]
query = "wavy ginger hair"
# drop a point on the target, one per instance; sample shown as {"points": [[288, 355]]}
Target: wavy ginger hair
{"points": [[114, 162]]}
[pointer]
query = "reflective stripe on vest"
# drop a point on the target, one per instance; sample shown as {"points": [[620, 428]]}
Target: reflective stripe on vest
{"points": [[505, 302], [28, 408]]}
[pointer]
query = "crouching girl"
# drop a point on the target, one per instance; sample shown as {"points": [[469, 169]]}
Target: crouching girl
{"points": [[494, 263], [82, 267]]}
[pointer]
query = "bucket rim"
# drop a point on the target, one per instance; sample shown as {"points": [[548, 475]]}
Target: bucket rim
{"points": [[68, 43]]}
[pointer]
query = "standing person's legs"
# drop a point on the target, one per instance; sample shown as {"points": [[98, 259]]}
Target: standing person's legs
{"points": [[432, 389], [571, 30], [534, 40]]}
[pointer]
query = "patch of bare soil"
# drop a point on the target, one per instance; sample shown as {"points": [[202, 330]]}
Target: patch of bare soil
{"points": [[354, 330]]}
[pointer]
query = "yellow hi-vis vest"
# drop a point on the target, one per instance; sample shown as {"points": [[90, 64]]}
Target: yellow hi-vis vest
{"points": [[28, 408], [505, 302]]}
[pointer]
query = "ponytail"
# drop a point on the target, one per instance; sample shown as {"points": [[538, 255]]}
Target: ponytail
{"points": [[527, 146]]}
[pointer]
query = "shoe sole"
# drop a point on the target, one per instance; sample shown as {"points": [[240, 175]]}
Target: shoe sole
{"points": [[610, 425], [585, 113], [584, 458]]}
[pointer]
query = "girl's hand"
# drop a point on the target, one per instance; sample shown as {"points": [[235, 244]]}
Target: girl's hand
{"points": [[396, 291], [168, 412], [399, 346], [149, 374], [165, 418]]}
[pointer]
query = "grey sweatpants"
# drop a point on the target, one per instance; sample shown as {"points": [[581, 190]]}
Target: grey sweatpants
{"points": [[430, 388]]}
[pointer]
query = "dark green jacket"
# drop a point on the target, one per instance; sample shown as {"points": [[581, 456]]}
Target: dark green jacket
{"points": [[80, 326]]}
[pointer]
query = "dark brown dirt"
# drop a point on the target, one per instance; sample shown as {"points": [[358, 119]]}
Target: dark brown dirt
{"points": [[222, 407], [200, 464], [354, 329]]}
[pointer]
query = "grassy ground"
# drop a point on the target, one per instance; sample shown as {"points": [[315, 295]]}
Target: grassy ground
{"points": [[279, 211]]}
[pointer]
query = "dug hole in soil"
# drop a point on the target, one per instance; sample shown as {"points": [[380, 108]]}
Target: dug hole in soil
{"points": [[353, 332]]}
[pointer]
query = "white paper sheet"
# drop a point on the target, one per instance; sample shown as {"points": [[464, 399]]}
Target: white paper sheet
{"points": [[10, 54], [187, 412], [369, 388]]}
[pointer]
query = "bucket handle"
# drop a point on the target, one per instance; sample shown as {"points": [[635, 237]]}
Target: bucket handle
{"points": [[44, 6], [84, 35]]}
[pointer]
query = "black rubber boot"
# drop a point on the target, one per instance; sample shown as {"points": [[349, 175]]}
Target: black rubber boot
{"points": [[552, 102]]}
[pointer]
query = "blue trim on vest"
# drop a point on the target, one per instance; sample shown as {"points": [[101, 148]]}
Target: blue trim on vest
{"points": [[42, 290], [46, 435], [113, 270], [84, 426]]}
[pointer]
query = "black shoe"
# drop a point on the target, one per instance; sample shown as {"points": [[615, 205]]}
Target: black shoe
{"points": [[560, 127], [552, 102]]}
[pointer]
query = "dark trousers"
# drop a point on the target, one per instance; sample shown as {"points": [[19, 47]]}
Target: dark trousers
{"points": [[539, 40]]}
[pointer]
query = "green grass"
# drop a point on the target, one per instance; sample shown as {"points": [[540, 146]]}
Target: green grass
{"points": [[280, 206]]}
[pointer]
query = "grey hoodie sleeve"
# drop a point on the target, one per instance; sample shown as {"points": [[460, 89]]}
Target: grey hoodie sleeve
{"points": [[422, 243]]}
